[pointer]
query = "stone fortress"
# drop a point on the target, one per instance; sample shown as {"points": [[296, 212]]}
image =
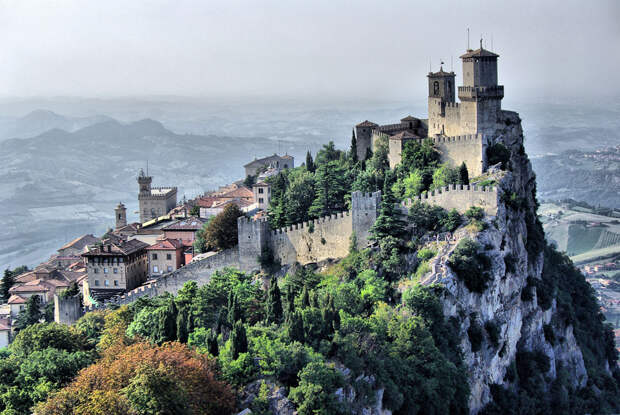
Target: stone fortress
{"points": [[154, 201], [459, 131]]}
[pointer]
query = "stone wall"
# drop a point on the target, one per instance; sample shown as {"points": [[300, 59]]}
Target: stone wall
{"points": [[313, 241], [67, 310], [461, 198], [463, 148]]}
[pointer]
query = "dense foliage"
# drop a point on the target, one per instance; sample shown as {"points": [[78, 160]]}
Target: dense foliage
{"points": [[8, 280], [471, 265], [220, 232]]}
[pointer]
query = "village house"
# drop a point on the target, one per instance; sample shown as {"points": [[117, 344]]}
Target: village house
{"points": [[114, 267], [165, 256], [5, 332], [279, 162]]}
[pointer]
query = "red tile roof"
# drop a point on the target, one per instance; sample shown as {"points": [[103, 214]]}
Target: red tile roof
{"points": [[241, 192], [16, 299], [81, 242], [166, 244], [192, 223], [117, 248]]}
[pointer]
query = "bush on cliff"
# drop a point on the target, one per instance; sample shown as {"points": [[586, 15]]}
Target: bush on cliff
{"points": [[470, 265]]}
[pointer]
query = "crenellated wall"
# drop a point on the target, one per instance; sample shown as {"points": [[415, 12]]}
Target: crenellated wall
{"points": [[460, 197], [463, 148]]}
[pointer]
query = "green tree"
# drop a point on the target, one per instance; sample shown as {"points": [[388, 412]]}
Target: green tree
{"points": [[444, 176], [315, 393], [420, 156], [212, 345], [154, 391], [353, 151], [413, 184], [330, 189], [274, 303], [296, 327], [221, 232], [238, 340], [31, 314], [463, 174], [298, 197], [389, 222], [8, 280], [309, 162], [250, 180]]}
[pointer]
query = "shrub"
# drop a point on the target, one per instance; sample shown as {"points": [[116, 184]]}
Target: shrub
{"points": [[470, 265], [315, 393], [474, 332], [425, 254], [475, 212], [450, 221], [498, 153]]}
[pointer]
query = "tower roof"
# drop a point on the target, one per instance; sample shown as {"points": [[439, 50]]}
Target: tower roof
{"points": [[440, 73], [479, 53], [367, 124]]}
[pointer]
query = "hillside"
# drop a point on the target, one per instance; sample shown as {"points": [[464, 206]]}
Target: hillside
{"points": [[592, 176], [60, 184]]}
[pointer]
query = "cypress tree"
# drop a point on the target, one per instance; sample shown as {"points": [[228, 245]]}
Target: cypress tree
{"points": [[296, 327], [212, 345], [167, 324], [238, 340], [463, 174], [305, 298], [274, 302], [368, 154], [290, 301], [389, 222], [234, 311], [353, 147], [314, 299], [309, 162], [182, 325], [31, 314], [8, 280]]}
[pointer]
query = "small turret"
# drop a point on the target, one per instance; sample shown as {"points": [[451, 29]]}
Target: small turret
{"points": [[120, 213], [441, 85], [144, 182]]}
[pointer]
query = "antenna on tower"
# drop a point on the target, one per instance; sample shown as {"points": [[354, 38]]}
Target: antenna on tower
{"points": [[147, 167], [468, 38]]}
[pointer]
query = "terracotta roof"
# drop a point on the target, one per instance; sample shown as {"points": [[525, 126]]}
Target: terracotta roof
{"points": [[479, 53], [192, 223], [404, 135], [367, 124], [30, 287], [166, 244], [261, 184], [71, 275], [206, 201], [81, 242], [241, 192], [409, 118], [129, 227], [16, 299], [117, 248]]}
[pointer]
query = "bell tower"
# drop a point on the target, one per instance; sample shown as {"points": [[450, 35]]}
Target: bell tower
{"points": [[440, 94], [144, 182], [120, 214]]}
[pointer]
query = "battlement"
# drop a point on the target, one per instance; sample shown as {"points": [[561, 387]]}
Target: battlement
{"points": [[458, 138], [481, 92], [314, 222], [459, 197], [452, 104]]}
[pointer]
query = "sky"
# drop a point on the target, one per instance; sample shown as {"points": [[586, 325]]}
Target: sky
{"points": [[331, 49]]}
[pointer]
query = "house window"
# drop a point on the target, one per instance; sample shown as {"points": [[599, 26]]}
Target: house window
{"points": [[116, 283], [169, 268], [120, 260], [21, 307], [105, 270], [260, 200], [116, 270], [260, 190], [155, 269], [97, 283], [106, 283], [168, 256], [154, 256], [96, 270]]}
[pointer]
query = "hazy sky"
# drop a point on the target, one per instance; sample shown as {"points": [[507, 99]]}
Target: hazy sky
{"points": [[292, 48]]}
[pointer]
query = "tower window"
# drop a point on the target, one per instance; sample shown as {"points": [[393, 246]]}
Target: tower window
{"points": [[436, 88]]}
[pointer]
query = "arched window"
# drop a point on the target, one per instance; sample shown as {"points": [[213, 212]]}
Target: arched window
{"points": [[436, 88]]}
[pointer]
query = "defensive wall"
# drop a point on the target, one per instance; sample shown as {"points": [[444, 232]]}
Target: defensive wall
{"points": [[67, 310], [308, 242], [459, 197], [463, 148]]}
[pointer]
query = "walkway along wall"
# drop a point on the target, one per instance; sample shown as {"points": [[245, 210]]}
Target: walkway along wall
{"points": [[460, 197]]}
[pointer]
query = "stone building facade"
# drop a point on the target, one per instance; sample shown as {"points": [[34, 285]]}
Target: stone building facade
{"points": [[277, 162], [165, 256], [115, 266], [154, 201]]}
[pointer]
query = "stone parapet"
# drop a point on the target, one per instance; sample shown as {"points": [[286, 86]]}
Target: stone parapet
{"points": [[459, 197]]}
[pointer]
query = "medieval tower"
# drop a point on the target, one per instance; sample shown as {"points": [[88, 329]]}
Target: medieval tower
{"points": [[154, 201], [120, 214]]}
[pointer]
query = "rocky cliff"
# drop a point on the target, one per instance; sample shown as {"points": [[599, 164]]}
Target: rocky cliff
{"points": [[506, 318]]}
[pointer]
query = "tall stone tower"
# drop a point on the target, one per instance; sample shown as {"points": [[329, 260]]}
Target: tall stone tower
{"points": [[144, 182], [154, 201], [120, 213], [440, 94], [480, 94], [363, 134]]}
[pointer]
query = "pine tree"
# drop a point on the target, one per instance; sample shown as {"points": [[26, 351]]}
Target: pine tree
{"points": [[309, 162], [167, 323], [296, 327], [290, 301], [463, 174], [353, 147], [305, 298], [238, 339], [274, 303], [314, 299], [389, 222]]}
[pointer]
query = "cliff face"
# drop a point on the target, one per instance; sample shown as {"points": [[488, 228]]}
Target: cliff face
{"points": [[506, 316]]}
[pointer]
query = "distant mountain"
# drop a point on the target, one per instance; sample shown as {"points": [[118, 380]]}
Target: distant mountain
{"points": [[62, 183], [591, 176], [39, 121]]}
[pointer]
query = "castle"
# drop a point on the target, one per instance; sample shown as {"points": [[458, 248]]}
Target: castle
{"points": [[154, 201], [460, 130]]}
